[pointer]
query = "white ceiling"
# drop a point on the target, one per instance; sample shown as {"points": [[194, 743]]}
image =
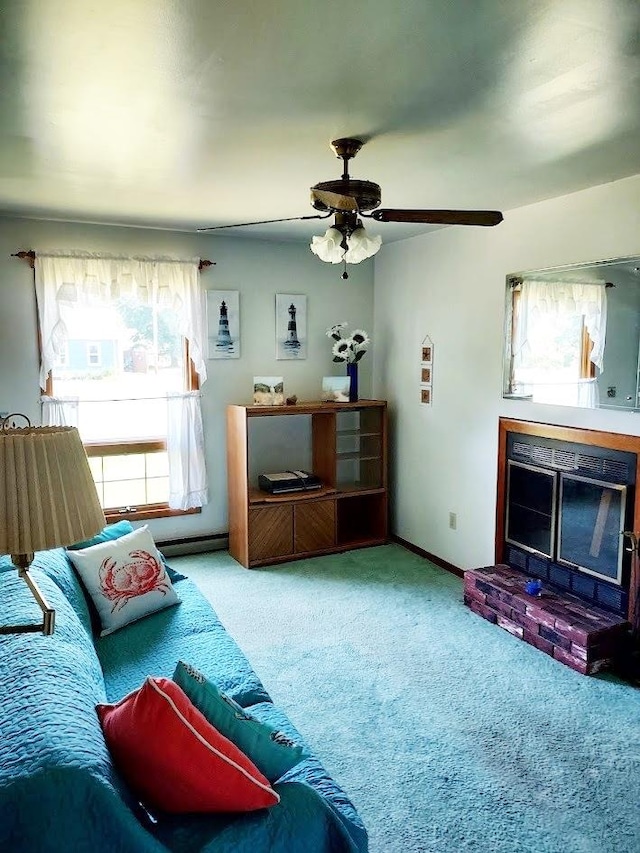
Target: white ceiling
{"points": [[188, 113]]}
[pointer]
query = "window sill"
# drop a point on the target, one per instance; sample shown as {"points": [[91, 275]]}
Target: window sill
{"points": [[145, 512]]}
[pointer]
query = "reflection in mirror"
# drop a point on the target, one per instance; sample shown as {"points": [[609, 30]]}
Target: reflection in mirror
{"points": [[572, 335]]}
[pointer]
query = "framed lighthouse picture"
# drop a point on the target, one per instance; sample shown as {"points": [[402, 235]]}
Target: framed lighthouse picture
{"points": [[223, 323], [291, 326]]}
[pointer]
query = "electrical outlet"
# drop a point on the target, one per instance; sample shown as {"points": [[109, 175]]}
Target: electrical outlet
{"points": [[453, 520]]}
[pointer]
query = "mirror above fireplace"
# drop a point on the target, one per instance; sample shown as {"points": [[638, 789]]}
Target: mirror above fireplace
{"points": [[572, 335]]}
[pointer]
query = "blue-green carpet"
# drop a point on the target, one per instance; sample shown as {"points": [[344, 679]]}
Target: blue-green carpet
{"points": [[448, 734]]}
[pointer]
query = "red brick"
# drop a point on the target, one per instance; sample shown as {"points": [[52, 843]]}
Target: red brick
{"points": [[498, 606], [472, 592], [519, 604], [510, 626], [575, 663], [526, 621], [577, 632], [536, 612], [480, 609], [555, 638], [539, 642], [579, 651]]}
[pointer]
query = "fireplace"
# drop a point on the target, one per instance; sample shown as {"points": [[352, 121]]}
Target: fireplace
{"points": [[565, 497]]}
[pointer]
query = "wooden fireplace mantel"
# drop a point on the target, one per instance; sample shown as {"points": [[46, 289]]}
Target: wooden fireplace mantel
{"points": [[578, 435]]}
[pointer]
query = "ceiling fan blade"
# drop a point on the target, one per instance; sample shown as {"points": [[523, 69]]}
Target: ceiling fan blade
{"points": [[439, 217], [333, 200], [267, 221]]}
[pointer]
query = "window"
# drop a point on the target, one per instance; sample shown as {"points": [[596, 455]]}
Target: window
{"points": [[93, 355], [126, 362], [62, 359]]}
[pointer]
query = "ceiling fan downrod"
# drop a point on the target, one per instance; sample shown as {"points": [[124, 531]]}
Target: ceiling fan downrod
{"points": [[346, 149]]}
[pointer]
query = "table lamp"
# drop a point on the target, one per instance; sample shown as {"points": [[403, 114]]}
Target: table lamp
{"points": [[48, 499]]}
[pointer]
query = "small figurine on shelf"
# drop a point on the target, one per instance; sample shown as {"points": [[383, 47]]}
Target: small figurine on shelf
{"points": [[291, 401], [533, 587]]}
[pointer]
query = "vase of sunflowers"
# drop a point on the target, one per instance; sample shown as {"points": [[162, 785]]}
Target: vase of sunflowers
{"points": [[349, 349]]}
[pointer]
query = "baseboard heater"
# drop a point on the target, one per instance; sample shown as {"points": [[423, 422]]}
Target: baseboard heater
{"points": [[194, 544]]}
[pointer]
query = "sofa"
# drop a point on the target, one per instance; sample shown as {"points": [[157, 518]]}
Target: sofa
{"points": [[60, 788]]}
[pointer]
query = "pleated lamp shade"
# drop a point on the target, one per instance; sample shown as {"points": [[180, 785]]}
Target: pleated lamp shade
{"points": [[47, 495]]}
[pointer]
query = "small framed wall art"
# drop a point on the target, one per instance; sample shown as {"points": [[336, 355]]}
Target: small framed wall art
{"points": [[291, 326], [223, 323], [426, 372]]}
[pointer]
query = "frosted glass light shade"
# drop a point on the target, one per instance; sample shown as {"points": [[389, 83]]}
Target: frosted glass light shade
{"points": [[361, 246], [47, 495], [328, 247]]}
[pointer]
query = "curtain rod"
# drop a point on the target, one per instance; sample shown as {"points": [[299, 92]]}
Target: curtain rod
{"points": [[30, 256]]}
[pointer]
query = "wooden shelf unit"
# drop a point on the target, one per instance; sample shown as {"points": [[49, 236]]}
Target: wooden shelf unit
{"points": [[349, 454]]}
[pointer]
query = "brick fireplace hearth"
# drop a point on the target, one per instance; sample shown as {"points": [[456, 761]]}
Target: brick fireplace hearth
{"points": [[579, 635]]}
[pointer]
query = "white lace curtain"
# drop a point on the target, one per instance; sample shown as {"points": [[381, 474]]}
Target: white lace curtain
{"points": [[185, 446], [94, 279], [587, 299], [89, 279]]}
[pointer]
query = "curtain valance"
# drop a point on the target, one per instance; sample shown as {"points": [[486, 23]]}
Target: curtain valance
{"points": [[586, 299], [92, 279]]}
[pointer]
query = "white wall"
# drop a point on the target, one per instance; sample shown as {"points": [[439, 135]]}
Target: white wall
{"points": [[450, 285], [256, 268]]}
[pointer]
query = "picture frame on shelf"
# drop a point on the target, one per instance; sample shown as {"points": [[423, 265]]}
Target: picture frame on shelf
{"points": [[268, 391], [291, 326], [335, 389], [223, 323]]}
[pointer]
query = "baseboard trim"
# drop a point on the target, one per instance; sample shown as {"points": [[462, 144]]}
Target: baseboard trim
{"points": [[443, 564], [194, 544]]}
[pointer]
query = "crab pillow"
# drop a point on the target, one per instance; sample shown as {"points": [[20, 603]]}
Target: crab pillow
{"points": [[126, 579]]}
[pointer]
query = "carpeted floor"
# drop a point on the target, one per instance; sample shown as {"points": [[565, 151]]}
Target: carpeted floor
{"points": [[448, 734]]}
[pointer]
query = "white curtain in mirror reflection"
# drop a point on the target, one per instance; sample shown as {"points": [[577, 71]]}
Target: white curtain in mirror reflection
{"points": [[558, 331]]}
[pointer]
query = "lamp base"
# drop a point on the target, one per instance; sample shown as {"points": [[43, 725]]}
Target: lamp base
{"points": [[47, 626]]}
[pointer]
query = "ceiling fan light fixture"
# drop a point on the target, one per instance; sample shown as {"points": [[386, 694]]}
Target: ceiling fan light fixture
{"points": [[344, 243], [328, 247], [361, 245]]}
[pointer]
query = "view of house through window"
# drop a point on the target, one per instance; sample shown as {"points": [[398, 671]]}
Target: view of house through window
{"points": [[119, 359]]}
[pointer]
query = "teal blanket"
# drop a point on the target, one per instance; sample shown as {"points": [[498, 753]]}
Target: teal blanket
{"points": [[58, 787]]}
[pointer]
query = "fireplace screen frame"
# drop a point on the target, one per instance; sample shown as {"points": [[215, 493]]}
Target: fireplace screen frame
{"points": [[616, 487], [553, 511], [544, 438]]}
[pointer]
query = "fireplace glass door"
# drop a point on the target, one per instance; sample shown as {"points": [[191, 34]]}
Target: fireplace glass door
{"points": [[531, 507], [591, 523]]}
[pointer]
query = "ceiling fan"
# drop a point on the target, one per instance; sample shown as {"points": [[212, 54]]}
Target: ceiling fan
{"points": [[348, 199]]}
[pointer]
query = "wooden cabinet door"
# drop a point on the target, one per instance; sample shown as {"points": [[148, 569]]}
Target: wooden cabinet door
{"points": [[315, 526], [270, 532]]}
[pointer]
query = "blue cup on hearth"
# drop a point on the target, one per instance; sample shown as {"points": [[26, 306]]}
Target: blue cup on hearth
{"points": [[533, 587]]}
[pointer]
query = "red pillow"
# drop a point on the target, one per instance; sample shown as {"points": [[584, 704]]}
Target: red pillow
{"points": [[174, 759]]}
